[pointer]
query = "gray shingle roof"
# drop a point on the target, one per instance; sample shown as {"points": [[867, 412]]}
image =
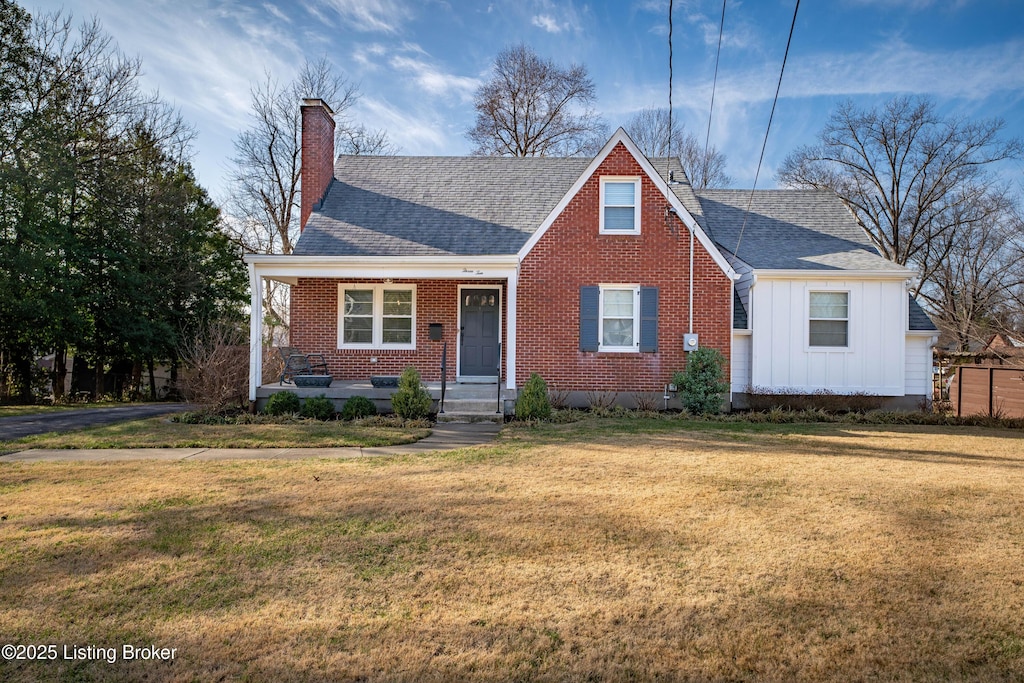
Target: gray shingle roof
{"points": [[739, 313], [405, 206], [790, 230], [918, 319]]}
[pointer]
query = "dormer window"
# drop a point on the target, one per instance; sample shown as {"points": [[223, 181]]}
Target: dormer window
{"points": [[620, 206]]}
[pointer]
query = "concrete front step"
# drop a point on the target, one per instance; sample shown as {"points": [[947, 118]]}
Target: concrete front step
{"points": [[467, 418], [470, 405], [479, 392]]}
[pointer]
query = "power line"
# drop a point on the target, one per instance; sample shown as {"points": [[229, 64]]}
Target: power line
{"points": [[668, 156], [714, 85], [778, 87]]}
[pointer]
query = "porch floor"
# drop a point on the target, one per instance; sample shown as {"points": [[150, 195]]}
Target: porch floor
{"points": [[460, 398]]}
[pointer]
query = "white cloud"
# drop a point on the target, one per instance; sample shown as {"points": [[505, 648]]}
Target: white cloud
{"points": [[369, 55], [384, 16], [434, 81], [547, 23], [272, 9], [416, 132], [969, 73]]}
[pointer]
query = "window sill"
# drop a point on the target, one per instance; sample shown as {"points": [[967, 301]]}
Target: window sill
{"points": [[371, 347]]}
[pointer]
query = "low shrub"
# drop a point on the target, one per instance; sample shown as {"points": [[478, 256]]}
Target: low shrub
{"points": [[411, 401], [358, 407], [702, 386], [283, 403], [533, 402], [318, 407]]}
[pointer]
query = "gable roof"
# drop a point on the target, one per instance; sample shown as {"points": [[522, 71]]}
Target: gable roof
{"points": [[405, 206], [435, 206], [620, 137], [790, 230]]}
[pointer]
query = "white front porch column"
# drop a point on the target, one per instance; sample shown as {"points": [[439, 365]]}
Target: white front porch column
{"points": [[255, 332], [510, 342]]}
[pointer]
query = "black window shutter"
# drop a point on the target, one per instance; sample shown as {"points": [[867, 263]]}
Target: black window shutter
{"points": [[649, 319], [589, 311]]}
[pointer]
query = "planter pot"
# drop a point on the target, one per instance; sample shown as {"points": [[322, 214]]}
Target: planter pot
{"points": [[381, 381], [312, 380]]}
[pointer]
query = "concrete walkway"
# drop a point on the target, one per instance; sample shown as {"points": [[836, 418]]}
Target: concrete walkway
{"points": [[444, 437]]}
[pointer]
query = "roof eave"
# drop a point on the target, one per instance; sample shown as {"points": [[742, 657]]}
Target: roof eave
{"points": [[833, 274]]}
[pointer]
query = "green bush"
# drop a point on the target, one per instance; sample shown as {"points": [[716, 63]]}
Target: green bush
{"points": [[411, 401], [702, 384], [318, 407], [283, 403], [358, 407], [533, 402]]}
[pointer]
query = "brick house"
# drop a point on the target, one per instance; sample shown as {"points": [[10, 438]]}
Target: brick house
{"points": [[594, 273]]}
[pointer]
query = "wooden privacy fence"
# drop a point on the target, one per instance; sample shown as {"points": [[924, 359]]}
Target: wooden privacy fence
{"points": [[988, 390]]}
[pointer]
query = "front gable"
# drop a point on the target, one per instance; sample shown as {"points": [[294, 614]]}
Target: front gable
{"points": [[605, 306], [621, 159]]}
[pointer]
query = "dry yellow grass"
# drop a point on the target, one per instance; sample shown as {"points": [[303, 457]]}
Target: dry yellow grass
{"points": [[577, 553]]}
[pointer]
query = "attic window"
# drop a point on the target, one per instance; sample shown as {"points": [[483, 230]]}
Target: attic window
{"points": [[620, 206]]}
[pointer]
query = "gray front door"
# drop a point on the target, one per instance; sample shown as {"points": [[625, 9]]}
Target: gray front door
{"points": [[478, 345]]}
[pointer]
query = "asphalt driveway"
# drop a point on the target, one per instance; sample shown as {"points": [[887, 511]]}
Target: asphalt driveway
{"points": [[67, 420]]}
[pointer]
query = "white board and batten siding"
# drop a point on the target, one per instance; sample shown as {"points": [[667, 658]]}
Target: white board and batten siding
{"points": [[739, 361], [874, 360], [919, 363]]}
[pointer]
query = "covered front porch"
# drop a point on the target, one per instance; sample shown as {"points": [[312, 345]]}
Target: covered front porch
{"points": [[374, 316], [461, 400]]}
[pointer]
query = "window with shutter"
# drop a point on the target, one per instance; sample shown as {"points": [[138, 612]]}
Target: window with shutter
{"points": [[619, 319]]}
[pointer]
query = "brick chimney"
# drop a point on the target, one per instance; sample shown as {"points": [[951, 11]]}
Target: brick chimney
{"points": [[317, 155]]}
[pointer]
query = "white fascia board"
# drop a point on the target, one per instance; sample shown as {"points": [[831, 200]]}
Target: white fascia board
{"points": [[923, 333], [659, 182], [741, 332], [380, 267], [796, 274]]}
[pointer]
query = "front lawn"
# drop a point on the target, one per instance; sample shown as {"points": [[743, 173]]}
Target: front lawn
{"points": [[160, 432], [597, 551]]}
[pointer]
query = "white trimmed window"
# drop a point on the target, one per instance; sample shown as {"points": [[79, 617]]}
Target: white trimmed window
{"points": [[620, 206], [376, 316], [620, 319], [829, 316]]}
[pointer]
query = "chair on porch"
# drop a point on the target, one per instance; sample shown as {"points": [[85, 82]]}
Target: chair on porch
{"points": [[298, 363]]}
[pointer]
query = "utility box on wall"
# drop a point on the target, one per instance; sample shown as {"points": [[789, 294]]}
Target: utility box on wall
{"points": [[436, 331], [689, 342]]}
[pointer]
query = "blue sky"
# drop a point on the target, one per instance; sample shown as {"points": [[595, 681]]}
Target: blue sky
{"points": [[418, 62]]}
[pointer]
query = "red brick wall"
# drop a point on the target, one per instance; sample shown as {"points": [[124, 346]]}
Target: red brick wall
{"points": [[317, 168], [572, 253], [314, 328]]}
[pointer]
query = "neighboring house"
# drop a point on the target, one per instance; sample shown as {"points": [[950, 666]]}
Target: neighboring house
{"points": [[589, 272]]}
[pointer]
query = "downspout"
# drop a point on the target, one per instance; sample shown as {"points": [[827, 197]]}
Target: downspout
{"points": [[690, 326]]}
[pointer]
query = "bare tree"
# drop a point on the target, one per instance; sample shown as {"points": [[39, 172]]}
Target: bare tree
{"points": [[649, 129], [263, 208], [976, 290], [912, 178], [533, 107]]}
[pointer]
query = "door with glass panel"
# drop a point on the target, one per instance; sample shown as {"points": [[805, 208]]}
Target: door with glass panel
{"points": [[478, 339]]}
